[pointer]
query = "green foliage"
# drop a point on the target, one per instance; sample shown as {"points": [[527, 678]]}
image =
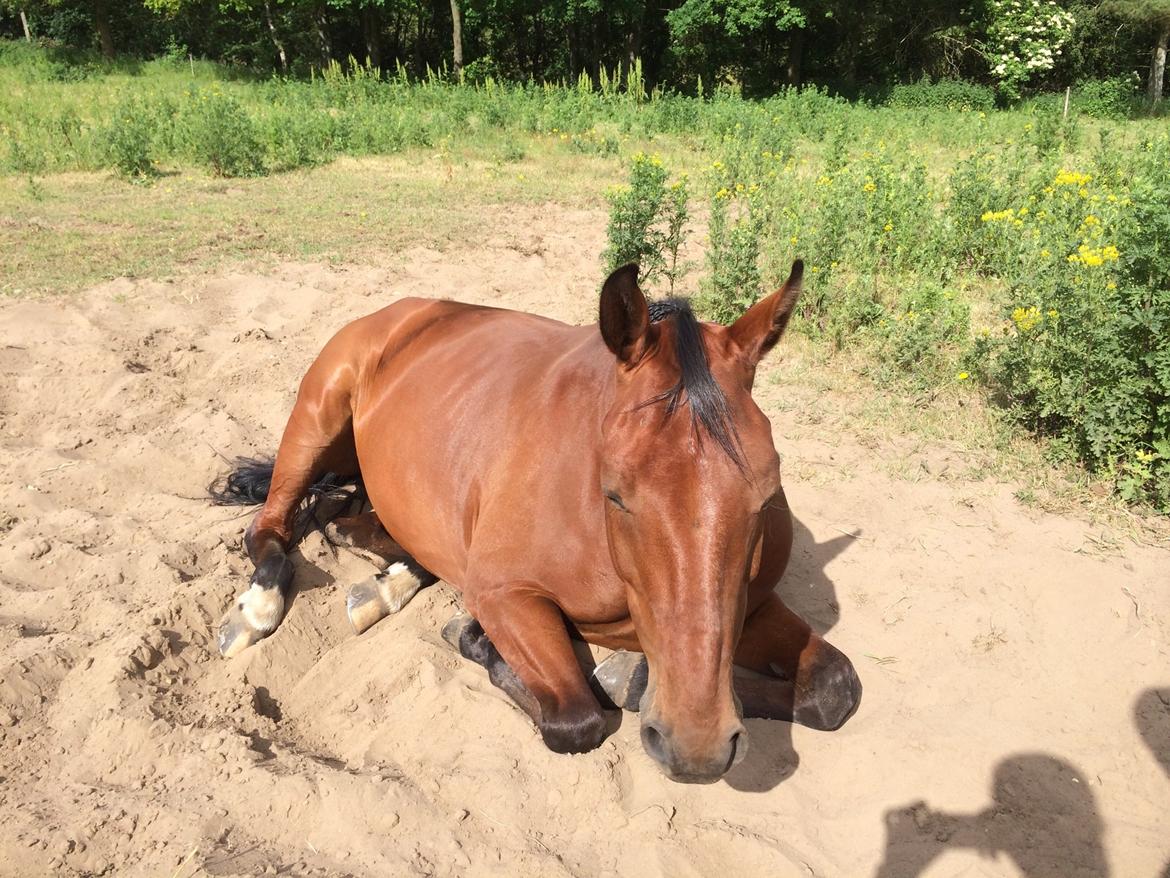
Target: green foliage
{"points": [[1024, 37], [708, 37], [1082, 354], [130, 137], [948, 94], [937, 236], [732, 284], [647, 222], [1113, 98], [920, 342], [222, 135]]}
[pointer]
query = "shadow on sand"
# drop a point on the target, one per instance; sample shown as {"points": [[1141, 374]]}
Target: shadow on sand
{"points": [[1043, 818], [1151, 714], [809, 592]]}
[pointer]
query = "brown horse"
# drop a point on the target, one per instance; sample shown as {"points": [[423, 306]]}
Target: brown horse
{"points": [[615, 484]]}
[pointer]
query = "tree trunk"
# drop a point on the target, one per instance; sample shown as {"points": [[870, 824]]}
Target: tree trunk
{"points": [[372, 34], [573, 33], [418, 42], [457, 36], [276, 41], [321, 26], [27, 32], [101, 21], [634, 41], [1158, 65], [796, 57]]}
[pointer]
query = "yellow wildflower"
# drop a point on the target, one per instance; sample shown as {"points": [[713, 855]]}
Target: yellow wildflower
{"points": [[1026, 319], [1071, 178]]}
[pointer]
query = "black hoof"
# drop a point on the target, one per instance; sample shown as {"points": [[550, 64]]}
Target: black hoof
{"points": [[832, 697], [575, 734], [622, 680]]}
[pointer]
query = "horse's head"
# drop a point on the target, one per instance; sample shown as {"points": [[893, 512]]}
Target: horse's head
{"points": [[688, 467]]}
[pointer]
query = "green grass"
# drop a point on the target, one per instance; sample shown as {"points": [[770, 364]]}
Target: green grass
{"points": [[64, 232], [943, 255]]}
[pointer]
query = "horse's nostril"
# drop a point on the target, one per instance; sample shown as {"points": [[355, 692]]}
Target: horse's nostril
{"points": [[655, 743], [739, 746]]}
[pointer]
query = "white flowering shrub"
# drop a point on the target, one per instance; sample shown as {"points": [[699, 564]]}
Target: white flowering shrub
{"points": [[1024, 37]]}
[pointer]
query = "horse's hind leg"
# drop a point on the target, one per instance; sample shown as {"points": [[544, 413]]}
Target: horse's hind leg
{"points": [[384, 593], [365, 532], [373, 599], [317, 440]]}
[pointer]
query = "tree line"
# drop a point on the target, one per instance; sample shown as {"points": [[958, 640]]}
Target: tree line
{"points": [[758, 46]]}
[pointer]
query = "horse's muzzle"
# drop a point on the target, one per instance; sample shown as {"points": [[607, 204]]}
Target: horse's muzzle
{"points": [[693, 765]]}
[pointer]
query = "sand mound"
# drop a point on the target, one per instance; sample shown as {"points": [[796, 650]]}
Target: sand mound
{"points": [[1012, 707]]}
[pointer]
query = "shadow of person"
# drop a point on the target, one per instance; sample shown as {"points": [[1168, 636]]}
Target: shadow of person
{"points": [[1151, 714], [1043, 817], [805, 587]]}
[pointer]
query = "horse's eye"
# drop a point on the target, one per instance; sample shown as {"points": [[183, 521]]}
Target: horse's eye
{"points": [[614, 498]]}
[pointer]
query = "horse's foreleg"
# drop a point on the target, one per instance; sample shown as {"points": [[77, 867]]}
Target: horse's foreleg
{"points": [[521, 638], [802, 677], [317, 440]]}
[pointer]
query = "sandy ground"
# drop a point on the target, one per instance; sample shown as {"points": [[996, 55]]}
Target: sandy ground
{"points": [[1016, 717]]}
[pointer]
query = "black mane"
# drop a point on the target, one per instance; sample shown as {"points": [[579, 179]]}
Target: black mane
{"points": [[703, 395]]}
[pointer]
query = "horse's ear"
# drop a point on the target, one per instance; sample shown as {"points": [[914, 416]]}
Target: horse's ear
{"points": [[758, 330], [625, 318]]}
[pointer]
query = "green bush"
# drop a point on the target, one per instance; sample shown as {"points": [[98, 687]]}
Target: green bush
{"points": [[893, 210], [1082, 355], [647, 222], [946, 94], [295, 139], [733, 282], [221, 134], [129, 137], [1106, 98], [919, 343]]}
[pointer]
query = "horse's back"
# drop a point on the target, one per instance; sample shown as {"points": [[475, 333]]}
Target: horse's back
{"points": [[457, 407]]}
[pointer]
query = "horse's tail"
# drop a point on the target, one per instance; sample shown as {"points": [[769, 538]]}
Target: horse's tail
{"points": [[246, 484], [250, 478]]}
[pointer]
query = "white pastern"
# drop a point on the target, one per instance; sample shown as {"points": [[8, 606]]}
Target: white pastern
{"points": [[261, 608]]}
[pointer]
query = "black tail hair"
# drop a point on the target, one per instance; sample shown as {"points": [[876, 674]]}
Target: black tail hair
{"points": [[250, 478]]}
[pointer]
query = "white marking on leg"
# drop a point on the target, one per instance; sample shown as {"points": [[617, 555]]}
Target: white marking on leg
{"points": [[397, 586], [261, 608]]}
